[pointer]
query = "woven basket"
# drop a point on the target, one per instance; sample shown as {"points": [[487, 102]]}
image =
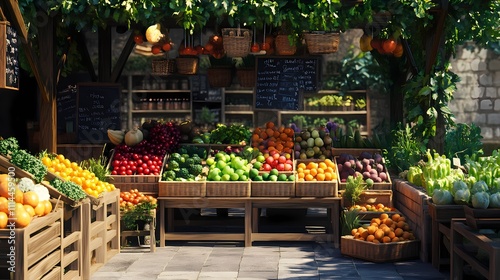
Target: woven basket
{"points": [[322, 43], [228, 188], [163, 66], [273, 189], [246, 77], [220, 77], [236, 41], [187, 65], [193, 189], [283, 46]]}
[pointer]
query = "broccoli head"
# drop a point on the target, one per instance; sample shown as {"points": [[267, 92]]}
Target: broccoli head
{"points": [[183, 173], [195, 169]]}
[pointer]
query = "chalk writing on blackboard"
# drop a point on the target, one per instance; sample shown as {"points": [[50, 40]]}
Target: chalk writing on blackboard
{"points": [[98, 110], [281, 79], [12, 58], [66, 109]]}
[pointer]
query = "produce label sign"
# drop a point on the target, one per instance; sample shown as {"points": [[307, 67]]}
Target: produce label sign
{"points": [[281, 79]]}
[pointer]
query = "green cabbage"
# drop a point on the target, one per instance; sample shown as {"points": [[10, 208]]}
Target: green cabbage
{"points": [[480, 200], [442, 197], [495, 200], [457, 186], [462, 196], [479, 186]]}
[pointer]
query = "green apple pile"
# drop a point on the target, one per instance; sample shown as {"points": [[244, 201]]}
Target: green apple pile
{"points": [[274, 175], [228, 167]]}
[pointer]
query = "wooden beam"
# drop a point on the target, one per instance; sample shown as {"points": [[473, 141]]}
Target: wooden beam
{"points": [[12, 11], [120, 64], [105, 54], [437, 39], [48, 108], [84, 52]]}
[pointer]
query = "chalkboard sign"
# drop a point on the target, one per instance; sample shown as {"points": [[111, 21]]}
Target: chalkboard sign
{"points": [[66, 109], [281, 79], [98, 109], [9, 57]]}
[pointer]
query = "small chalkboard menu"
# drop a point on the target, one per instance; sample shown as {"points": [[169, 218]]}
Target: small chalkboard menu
{"points": [[9, 57], [98, 109], [66, 110], [281, 79]]}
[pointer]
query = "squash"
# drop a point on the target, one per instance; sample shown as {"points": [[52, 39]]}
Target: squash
{"points": [[133, 137], [116, 136]]}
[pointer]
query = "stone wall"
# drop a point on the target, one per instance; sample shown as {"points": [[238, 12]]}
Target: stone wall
{"points": [[477, 98]]}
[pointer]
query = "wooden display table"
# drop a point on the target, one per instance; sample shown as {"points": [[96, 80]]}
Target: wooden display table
{"points": [[331, 203], [169, 203], [251, 206], [477, 242]]}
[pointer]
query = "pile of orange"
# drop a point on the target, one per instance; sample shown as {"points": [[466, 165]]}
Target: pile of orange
{"points": [[272, 137], [24, 205], [325, 170], [385, 229], [71, 171]]}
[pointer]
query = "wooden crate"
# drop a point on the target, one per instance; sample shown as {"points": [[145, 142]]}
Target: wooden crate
{"points": [[36, 252], [228, 188], [371, 197], [174, 188], [137, 179], [146, 188], [101, 235], [316, 189], [273, 189], [413, 204], [476, 242], [72, 244], [387, 185], [441, 216], [379, 253], [482, 218]]}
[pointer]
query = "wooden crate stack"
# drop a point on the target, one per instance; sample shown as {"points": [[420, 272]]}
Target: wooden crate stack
{"points": [[101, 234], [413, 204], [72, 245], [36, 252]]}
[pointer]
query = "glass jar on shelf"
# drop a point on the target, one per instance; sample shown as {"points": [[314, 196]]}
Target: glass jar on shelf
{"points": [[185, 104], [159, 104], [144, 104]]}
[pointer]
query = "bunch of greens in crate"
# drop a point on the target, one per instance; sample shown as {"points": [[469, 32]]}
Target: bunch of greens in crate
{"points": [[355, 185], [8, 146], [69, 189], [98, 167], [140, 212], [183, 167], [193, 150], [29, 163], [486, 169], [230, 134]]}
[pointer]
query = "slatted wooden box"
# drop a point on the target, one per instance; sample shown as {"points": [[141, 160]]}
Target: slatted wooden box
{"points": [[36, 252], [273, 189], [101, 234], [228, 188]]}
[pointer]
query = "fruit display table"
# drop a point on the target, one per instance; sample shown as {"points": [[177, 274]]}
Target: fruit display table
{"points": [[251, 226]]}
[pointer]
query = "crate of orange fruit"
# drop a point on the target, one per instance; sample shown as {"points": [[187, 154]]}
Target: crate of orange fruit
{"points": [[316, 178], [273, 137], [387, 238]]}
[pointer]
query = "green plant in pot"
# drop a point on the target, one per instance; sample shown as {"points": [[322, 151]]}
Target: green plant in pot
{"points": [[355, 185]]}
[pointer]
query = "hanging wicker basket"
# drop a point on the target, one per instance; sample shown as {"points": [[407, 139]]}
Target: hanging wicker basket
{"points": [[246, 77], [162, 66], [187, 65], [220, 77], [236, 41], [283, 45], [322, 42]]}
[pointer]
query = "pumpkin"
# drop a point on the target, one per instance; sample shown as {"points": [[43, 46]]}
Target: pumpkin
{"points": [[133, 137], [116, 136]]}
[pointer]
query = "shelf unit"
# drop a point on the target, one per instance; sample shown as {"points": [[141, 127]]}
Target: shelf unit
{"points": [[156, 97], [238, 106]]}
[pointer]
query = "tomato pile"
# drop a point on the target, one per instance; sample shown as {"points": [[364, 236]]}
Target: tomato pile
{"points": [[137, 164], [129, 199]]}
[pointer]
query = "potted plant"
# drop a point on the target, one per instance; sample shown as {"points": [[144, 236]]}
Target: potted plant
{"points": [[321, 24], [355, 185]]}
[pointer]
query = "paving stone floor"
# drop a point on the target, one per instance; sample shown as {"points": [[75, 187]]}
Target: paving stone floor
{"points": [[264, 260], [269, 260]]}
